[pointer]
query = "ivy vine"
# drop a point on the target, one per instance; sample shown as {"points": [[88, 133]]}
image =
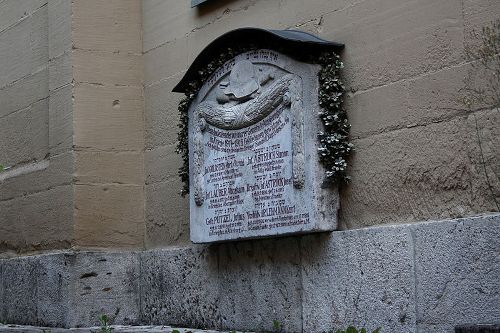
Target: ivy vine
{"points": [[334, 146]]}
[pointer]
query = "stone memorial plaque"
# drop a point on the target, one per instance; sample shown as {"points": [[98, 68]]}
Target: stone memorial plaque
{"points": [[254, 169]]}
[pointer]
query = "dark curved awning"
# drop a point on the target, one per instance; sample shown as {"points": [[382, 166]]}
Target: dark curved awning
{"points": [[291, 42]]}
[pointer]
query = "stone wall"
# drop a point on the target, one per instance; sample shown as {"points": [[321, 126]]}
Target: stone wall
{"points": [[71, 125], [36, 130], [419, 154], [422, 277], [109, 130]]}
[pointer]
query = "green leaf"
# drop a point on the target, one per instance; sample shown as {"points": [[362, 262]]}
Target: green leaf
{"points": [[2, 168], [176, 331], [377, 330], [351, 329]]}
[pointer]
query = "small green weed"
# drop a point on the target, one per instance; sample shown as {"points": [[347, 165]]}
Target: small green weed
{"points": [[352, 329], [277, 326], [104, 320]]}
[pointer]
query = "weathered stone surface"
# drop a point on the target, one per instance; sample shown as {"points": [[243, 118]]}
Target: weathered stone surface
{"points": [[160, 113], [60, 71], [100, 167], [361, 277], [485, 150], [13, 11], [107, 68], [166, 214], [478, 13], [24, 47], [426, 277], [60, 27], [112, 26], [53, 289], [181, 287], [24, 92], [25, 134], [260, 282], [109, 215], [155, 66], [61, 120], [424, 172], [57, 171], [42, 220], [425, 99], [107, 117], [253, 152], [378, 109], [19, 281], [162, 164], [104, 283], [403, 39], [457, 268]]}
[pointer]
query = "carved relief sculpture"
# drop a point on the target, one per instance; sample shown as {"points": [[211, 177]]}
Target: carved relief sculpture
{"points": [[247, 97]]}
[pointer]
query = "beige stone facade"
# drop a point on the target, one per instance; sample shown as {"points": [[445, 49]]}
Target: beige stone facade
{"points": [[88, 122]]}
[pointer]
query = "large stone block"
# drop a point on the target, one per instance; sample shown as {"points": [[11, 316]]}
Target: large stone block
{"points": [[425, 99], [60, 14], [391, 40], [161, 116], [24, 92], [155, 66], [260, 281], [378, 110], [113, 25], [104, 283], [24, 47], [457, 268], [419, 173], [163, 22], [38, 177], [107, 68], [361, 277], [60, 71], [167, 214], [19, 282], [53, 289], [109, 215], [24, 134], [108, 117], [100, 167], [14, 11], [162, 164], [180, 287], [61, 120], [38, 221]]}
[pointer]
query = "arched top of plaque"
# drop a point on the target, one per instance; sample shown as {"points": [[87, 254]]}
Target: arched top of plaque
{"points": [[290, 42]]}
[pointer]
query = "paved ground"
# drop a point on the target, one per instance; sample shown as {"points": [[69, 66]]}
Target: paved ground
{"points": [[116, 329]]}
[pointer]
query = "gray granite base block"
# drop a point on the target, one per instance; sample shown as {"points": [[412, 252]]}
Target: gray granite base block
{"points": [[180, 286], [362, 278], [458, 273], [425, 277], [104, 283], [260, 282]]}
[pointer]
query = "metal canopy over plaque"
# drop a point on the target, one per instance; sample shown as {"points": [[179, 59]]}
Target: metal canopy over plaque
{"points": [[253, 162]]}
